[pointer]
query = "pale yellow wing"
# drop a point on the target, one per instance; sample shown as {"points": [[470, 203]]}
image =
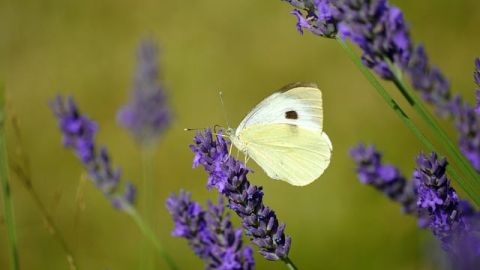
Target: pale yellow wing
{"points": [[297, 104], [288, 152]]}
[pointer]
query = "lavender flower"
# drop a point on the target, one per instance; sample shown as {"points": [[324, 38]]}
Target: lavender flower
{"points": [[321, 17], [380, 31], [386, 178], [147, 115], [210, 233], [454, 222], [437, 198], [189, 220], [431, 198], [375, 26], [79, 134], [429, 81], [467, 123], [229, 176], [226, 249]]}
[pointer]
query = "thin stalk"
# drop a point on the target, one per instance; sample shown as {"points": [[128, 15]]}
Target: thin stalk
{"points": [[148, 176], [23, 174], [289, 264], [54, 229], [149, 234], [6, 191], [385, 95], [473, 185], [397, 109]]}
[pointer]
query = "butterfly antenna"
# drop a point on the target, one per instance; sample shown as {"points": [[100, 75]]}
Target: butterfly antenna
{"points": [[223, 107], [191, 129]]}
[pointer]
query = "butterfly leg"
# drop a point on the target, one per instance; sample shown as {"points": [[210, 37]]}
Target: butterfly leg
{"points": [[247, 158], [230, 150]]}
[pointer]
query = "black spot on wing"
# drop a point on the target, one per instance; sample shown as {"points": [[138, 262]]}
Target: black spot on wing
{"points": [[291, 115]]}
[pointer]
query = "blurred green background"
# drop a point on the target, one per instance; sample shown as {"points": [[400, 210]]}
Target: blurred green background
{"points": [[246, 49]]}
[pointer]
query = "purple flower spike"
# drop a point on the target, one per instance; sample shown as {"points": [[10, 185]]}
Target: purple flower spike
{"points": [[189, 220], [385, 178], [429, 81], [321, 17], [147, 114], [79, 134], [467, 123], [379, 30], [78, 131], [437, 199], [452, 221], [229, 176], [227, 250], [210, 233]]}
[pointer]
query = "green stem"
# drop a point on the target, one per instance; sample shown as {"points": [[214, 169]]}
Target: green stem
{"points": [[290, 264], [54, 229], [23, 174], [472, 186], [396, 108], [148, 202], [149, 234], [385, 95], [6, 191]]}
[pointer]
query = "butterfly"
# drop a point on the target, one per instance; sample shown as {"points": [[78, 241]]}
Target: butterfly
{"points": [[284, 135]]}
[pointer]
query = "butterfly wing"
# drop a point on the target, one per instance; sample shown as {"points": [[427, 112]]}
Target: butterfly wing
{"points": [[288, 152], [298, 104], [284, 135]]}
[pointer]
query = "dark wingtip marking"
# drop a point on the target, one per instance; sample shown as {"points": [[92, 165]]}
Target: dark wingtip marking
{"points": [[291, 115]]}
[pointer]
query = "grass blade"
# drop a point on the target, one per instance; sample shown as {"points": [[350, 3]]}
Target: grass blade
{"points": [[6, 192]]}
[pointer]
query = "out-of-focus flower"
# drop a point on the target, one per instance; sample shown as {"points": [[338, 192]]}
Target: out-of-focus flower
{"points": [[210, 233], [386, 178], [229, 176], [379, 29], [79, 135], [467, 122], [147, 114], [429, 81]]}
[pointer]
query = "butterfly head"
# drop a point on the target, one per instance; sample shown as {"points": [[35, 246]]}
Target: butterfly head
{"points": [[230, 132], [235, 139]]}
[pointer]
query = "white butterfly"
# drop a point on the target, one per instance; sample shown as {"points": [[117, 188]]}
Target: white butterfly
{"points": [[284, 135]]}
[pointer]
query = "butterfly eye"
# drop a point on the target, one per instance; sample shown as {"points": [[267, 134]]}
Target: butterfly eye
{"points": [[291, 115]]}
